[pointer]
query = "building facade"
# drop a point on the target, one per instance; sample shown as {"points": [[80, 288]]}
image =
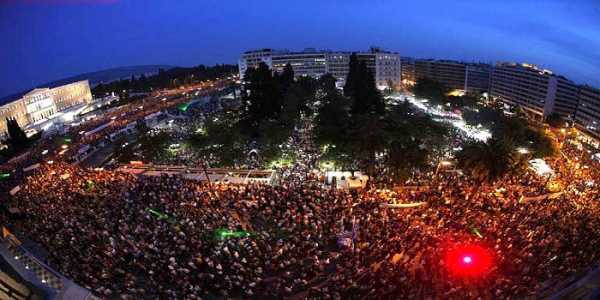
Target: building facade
{"points": [[587, 117], [43, 103], [538, 91], [39, 105], [384, 65], [71, 94], [567, 98], [307, 63], [477, 78], [525, 86], [407, 68], [449, 73]]}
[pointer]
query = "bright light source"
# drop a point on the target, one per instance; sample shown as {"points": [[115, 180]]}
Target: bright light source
{"points": [[522, 150], [469, 260]]}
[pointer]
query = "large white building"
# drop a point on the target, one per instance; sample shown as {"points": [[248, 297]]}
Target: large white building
{"points": [[384, 65], [42, 104], [539, 92]]}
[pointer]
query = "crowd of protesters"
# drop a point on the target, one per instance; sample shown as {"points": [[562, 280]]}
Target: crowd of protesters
{"points": [[131, 237]]}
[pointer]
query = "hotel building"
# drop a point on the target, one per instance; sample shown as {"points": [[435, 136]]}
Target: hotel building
{"points": [[587, 118], [449, 73], [477, 78], [539, 92], [42, 104], [384, 65], [407, 66]]}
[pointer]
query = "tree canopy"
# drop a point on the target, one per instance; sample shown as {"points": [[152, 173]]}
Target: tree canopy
{"points": [[361, 89]]}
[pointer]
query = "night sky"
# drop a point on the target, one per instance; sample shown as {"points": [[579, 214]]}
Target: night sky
{"points": [[46, 40]]}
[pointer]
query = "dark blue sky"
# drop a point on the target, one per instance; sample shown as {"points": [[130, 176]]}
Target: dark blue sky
{"points": [[45, 40]]}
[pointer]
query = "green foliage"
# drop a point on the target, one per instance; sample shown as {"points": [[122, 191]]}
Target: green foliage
{"points": [[514, 129], [486, 116], [430, 89], [491, 160], [462, 101], [17, 139], [412, 139], [154, 146], [555, 121], [360, 88], [262, 98], [164, 79], [333, 120], [286, 78]]}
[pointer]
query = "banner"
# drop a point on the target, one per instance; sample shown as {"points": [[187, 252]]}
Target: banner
{"points": [[32, 167], [403, 205], [15, 190]]}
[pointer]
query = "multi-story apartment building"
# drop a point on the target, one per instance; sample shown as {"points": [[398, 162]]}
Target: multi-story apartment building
{"points": [[43, 103], [526, 86], [251, 59], [384, 65], [307, 63], [470, 78], [407, 66], [567, 93], [449, 73], [477, 78], [539, 92], [587, 118]]}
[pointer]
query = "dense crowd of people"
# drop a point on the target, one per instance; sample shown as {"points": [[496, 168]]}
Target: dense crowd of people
{"points": [[157, 237], [166, 237]]}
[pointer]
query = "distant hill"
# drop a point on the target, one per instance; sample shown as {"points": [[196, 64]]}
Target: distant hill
{"points": [[95, 78]]}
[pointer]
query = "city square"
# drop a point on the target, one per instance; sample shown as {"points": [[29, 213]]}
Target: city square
{"points": [[310, 174]]}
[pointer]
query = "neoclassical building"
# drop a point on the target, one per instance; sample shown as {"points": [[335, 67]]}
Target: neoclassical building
{"points": [[43, 103]]}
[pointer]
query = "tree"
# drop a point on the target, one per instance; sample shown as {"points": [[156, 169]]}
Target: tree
{"points": [[390, 87], [286, 78], [361, 89], [430, 89], [262, 96], [367, 137], [404, 156], [332, 120], [491, 160], [555, 120], [17, 138]]}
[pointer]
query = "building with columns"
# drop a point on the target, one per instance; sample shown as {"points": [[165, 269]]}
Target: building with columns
{"points": [[42, 104]]}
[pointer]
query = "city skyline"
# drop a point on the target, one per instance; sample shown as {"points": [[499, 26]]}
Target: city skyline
{"points": [[97, 35]]}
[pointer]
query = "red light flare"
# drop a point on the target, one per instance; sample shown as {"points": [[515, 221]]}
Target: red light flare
{"points": [[468, 260]]}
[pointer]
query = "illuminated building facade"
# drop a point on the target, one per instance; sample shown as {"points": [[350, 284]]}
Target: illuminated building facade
{"points": [[43, 103], [407, 66], [587, 117], [449, 73], [384, 65], [539, 92], [477, 78]]}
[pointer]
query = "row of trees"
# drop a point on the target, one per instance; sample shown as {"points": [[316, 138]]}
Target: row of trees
{"points": [[356, 129], [171, 78], [437, 93], [514, 142]]}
